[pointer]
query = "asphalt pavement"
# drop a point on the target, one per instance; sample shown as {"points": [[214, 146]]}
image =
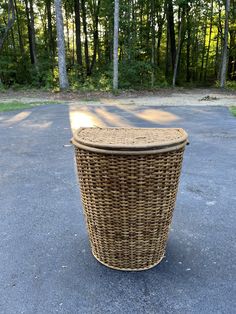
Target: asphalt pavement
{"points": [[46, 265]]}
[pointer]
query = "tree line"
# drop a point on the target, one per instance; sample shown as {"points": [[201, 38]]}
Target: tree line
{"points": [[83, 43]]}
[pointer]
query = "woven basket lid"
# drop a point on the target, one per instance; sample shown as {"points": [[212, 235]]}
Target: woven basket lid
{"points": [[132, 139]]}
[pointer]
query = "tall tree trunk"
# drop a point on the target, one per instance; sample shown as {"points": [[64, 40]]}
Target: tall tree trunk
{"points": [[115, 45], [61, 46], [67, 28], [78, 32], [203, 51], [10, 22], [188, 74], [217, 53], [134, 29], [42, 13], [232, 45], [225, 47], [50, 36], [159, 36], [13, 44], [232, 56], [219, 42], [95, 36], [107, 46], [153, 42], [141, 13], [171, 29], [178, 49], [86, 51], [209, 41], [73, 41], [147, 28], [130, 33], [167, 52], [167, 59], [194, 55], [51, 40], [21, 44], [31, 31]]}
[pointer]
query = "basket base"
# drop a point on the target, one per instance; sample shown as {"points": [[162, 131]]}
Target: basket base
{"points": [[128, 269]]}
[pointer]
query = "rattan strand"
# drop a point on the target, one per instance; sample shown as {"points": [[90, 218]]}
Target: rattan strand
{"points": [[128, 203]]}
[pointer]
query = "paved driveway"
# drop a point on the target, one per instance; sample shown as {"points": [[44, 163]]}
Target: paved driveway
{"points": [[45, 261]]}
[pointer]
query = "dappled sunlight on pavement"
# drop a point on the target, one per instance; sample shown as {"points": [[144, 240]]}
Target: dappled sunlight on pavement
{"points": [[82, 118], [18, 117], [112, 118], [159, 116], [118, 116], [26, 120]]}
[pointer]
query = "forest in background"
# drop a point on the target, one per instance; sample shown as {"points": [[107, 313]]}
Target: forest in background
{"points": [[158, 40]]}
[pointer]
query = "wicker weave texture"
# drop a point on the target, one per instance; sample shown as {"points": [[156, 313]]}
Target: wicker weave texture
{"points": [[128, 204], [131, 138]]}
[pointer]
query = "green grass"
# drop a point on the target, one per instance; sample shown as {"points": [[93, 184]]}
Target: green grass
{"points": [[233, 110], [17, 105]]}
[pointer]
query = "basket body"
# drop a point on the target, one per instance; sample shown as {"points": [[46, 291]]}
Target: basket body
{"points": [[128, 203]]}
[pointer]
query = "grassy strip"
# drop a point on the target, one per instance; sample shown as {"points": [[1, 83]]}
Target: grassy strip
{"points": [[233, 110], [16, 105]]}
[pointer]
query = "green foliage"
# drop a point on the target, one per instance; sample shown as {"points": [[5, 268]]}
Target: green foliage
{"points": [[145, 57], [100, 80], [231, 85], [16, 105], [233, 110], [137, 74]]}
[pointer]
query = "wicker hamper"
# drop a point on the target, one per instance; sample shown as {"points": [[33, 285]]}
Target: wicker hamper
{"points": [[129, 179]]}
